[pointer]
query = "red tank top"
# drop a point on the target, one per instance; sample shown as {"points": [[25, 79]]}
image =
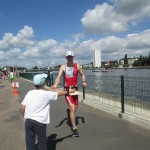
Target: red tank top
{"points": [[71, 76]]}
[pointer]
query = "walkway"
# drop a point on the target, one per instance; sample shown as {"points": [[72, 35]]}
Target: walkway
{"points": [[98, 130], [11, 122]]}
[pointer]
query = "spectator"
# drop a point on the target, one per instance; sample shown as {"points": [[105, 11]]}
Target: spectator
{"points": [[35, 108]]}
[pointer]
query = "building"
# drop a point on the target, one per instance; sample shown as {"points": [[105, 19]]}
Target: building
{"points": [[130, 61], [97, 58], [90, 65]]}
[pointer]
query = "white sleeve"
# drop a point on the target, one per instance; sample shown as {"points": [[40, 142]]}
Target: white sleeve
{"points": [[52, 95], [24, 100]]}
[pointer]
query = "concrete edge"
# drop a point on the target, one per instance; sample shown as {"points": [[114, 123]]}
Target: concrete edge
{"points": [[127, 117], [135, 120]]}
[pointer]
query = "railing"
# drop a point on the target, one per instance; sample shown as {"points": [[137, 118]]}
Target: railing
{"points": [[30, 75], [123, 94], [130, 95], [137, 96]]}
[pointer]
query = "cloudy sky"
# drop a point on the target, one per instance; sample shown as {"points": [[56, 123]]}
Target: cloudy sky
{"points": [[39, 32]]}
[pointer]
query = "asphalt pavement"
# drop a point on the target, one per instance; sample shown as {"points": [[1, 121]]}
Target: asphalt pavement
{"points": [[98, 130], [11, 121]]}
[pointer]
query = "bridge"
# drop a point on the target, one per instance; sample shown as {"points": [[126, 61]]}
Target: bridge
{"points": [[98, 130]]}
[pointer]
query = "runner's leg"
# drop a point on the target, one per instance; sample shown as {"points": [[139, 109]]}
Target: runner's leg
{"points": [[73, 109]]}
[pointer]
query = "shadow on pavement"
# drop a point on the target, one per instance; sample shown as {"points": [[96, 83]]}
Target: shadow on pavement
{"points": [[68, 121], [52, 141]]}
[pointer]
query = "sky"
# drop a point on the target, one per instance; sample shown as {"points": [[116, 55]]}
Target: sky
{"points": [[39, 32]]}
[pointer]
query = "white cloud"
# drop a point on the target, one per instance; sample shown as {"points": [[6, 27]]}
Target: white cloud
{"points": [[115, 18], [103, 19], [51, 52], [13, 53], [139, 41], [47, 44], [23, 38], [32, 52], [26, 32], [2, 55]]}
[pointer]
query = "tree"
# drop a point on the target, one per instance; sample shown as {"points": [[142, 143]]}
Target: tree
{"points": [[36, 67], [125, 60]]}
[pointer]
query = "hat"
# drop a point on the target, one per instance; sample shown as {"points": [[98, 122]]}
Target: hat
{"points": [[39, 79], [69, 53]]}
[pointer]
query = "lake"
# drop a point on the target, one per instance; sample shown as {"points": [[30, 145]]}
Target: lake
{"points": [[119, 72]]}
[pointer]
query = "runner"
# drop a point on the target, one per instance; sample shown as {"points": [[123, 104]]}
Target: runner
{"points": [[70, 72]]}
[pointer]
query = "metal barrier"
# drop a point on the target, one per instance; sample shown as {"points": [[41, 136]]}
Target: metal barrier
{"points": [[129, 95], [124, 94], [137, 96], [30, 75]]}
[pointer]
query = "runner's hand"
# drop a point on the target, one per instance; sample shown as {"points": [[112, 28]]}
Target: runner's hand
{"points": [[84, 84]]}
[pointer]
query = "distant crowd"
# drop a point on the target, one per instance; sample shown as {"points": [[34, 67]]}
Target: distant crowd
{"points": [[8, 74]]}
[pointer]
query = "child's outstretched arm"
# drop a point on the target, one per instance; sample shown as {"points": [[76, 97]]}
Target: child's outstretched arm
{"points": [[61, 93]]}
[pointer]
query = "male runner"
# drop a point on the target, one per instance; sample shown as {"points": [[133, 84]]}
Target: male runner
{"points": [[70, 72]]}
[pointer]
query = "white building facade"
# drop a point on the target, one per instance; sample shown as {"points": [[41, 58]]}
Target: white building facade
{"points": [[97, 58], [130, 61]]}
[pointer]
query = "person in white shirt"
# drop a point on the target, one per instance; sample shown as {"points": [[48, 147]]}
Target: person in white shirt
{"points": [[35, 108]]}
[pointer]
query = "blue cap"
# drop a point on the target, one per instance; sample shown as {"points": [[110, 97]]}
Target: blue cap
{"points": [[39, 79]]}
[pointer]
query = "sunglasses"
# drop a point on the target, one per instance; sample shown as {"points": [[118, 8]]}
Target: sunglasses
{"points": [[69, 57]]}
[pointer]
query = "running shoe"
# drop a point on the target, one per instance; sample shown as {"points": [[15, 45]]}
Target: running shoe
{"points": [[75, 132]]}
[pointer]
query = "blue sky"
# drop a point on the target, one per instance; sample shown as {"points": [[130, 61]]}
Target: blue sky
{"points": [[49, 18], [39, 32]]}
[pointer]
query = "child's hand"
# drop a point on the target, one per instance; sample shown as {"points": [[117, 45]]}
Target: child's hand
{"points": [[53, 88], [72, 90]]}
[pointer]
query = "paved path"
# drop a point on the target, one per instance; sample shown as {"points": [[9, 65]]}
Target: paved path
{"points": [[11, 122], [98, 130]]}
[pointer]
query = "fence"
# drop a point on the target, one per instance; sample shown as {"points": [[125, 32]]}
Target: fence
{"points": [[123, 94], [130, 95], [30, 75]]}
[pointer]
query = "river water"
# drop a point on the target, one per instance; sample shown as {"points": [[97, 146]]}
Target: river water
{"points": [[136, 82], [119, 72]]}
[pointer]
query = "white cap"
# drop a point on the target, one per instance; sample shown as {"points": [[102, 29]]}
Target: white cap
{"points": [[69, 53], [39, 79]]}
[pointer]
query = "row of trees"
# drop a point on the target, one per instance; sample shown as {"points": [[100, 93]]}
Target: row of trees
{"points": [[142, 61], [11, 68]]}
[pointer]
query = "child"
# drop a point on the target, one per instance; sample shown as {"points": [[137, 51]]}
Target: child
{"points": [[35, 108]]}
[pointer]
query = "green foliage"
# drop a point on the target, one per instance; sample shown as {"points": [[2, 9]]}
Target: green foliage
{"points": [[142, 61], [56, 67], [126, 65], [36, 67], [126, 60]]}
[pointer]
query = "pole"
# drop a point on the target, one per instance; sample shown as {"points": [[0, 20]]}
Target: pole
{"points": [[122, 94], [83, 92]]}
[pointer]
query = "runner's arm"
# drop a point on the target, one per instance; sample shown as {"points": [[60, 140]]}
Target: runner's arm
{"points": [[57, 80]]}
